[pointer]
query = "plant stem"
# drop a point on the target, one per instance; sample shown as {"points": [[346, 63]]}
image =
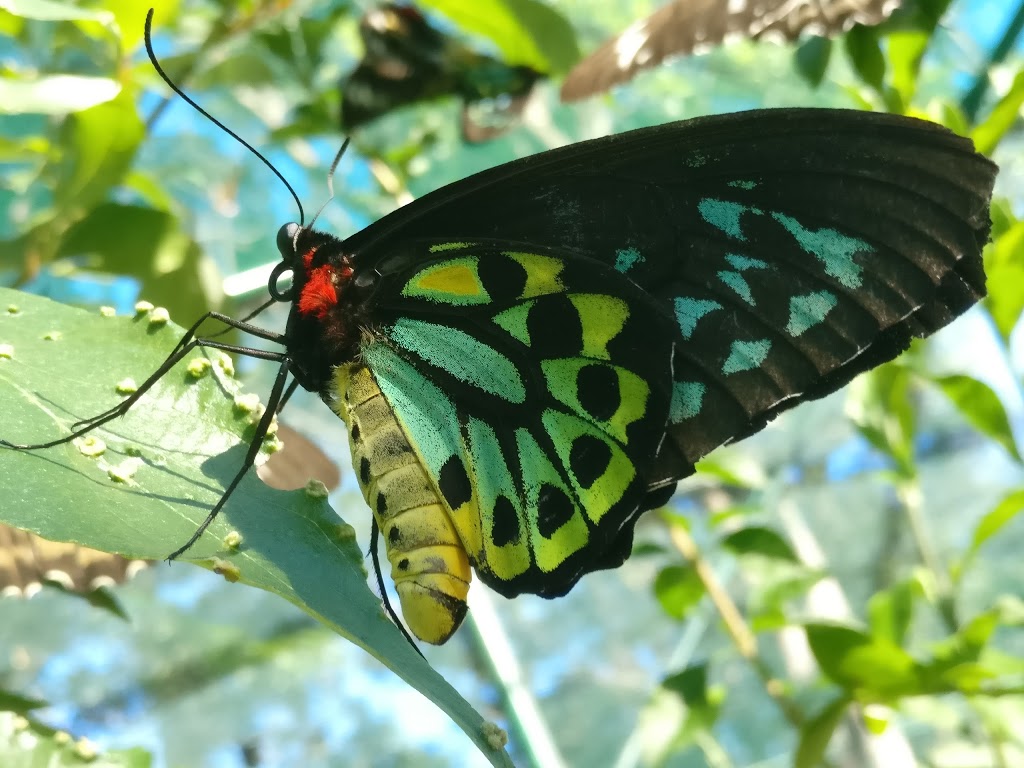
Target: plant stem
{"points": [[735, 625]]}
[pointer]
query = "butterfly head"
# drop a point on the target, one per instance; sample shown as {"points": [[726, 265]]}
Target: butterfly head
{"points": [[323, 325], [320, 270]]}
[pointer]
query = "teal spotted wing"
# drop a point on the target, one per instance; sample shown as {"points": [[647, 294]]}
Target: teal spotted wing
{"points": [[793, 249], [536, 389]]}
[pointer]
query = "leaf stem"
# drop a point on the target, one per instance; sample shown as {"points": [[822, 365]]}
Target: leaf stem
{"points": [[735, 625]]}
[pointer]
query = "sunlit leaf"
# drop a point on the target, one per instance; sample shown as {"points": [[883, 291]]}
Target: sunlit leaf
{"points": [[1002, 118], [678, 589], [872, 669], [1004, 265], [891, 610], [757, 540], [99, 147], [50, 10], [526, 32], [55, 94], [982, 408]]}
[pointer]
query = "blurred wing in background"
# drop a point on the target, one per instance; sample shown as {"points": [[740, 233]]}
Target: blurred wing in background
{"points": [[692, 26], [408, 61]]}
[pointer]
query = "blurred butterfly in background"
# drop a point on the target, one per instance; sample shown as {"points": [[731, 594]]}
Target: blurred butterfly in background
{"points": [[684, 27], [406, 60]]}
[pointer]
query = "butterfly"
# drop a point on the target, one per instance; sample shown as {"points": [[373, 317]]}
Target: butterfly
{"points": [[529, 359], [406, 60], [691, 26]]}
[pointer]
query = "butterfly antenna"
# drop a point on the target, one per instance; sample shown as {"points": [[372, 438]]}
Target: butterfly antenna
{"points": [[211, 118], [330, 179]]}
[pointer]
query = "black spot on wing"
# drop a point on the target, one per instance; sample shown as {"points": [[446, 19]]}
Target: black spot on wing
{"points": [[597, 389], [503, 278], [588, 459], [382, 506], [454, 483], [554, 509], [555, 328], [506, 529], [355, 431], [364, 471]]}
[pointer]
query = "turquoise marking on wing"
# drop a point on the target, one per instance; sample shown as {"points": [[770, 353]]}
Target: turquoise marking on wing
{"points": [[725, 215], [626, 259], [736, 281], [423, 409], [746, 355], [743, 184], [832, 248], [687, 400], [743, 263], [489, 466], [689, 311], [696, 160], [461, 355], [807, 311]]}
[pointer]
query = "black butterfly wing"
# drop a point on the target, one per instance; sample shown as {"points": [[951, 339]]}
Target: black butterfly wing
{"points": [[691, 26], [794, 248]]}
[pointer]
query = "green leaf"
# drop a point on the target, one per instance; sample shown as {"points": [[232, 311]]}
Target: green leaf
{"points": [[1002, 118], [185, 441], [55, 94], [891, 610], [811, 58], [906, 47], [15, 702], [526, 32], [48, 10], [702, 705], [24, 742], [99, 147], [1004, 267], [982, 408], [871, 669], [865, 53], [878, 403], [149, 245], [678, 589], [757, 540], [816, 733], [992, 523]]}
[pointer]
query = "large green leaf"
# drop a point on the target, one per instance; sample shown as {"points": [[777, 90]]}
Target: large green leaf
{"points": [[526, 32], [174, 453]]}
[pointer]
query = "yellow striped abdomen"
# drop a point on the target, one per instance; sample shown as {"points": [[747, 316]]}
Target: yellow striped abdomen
{"points": [[428, 560]]}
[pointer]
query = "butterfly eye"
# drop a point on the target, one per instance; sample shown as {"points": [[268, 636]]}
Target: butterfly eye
{"points": [[279, 270], [286, 241]]}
